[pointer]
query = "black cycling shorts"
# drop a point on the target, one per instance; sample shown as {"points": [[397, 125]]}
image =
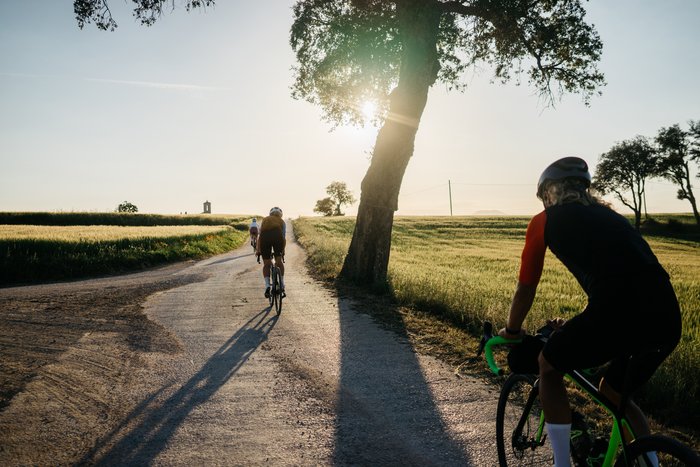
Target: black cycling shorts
{"points": [[644, 321], [271, 240]]}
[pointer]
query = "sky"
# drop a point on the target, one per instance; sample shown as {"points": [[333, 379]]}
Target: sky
{"points": [[198, 108]]}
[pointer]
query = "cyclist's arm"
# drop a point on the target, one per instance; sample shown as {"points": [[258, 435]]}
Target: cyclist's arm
{"points": [[522, 301], [532, 262]]}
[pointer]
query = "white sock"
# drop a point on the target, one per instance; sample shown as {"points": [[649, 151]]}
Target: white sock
{"points": [[267, 281], [559, 434]]}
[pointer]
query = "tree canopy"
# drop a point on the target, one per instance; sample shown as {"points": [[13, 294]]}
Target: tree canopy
{"points": [[145, 11], [324, 207], [351, 51], [677, 148]]}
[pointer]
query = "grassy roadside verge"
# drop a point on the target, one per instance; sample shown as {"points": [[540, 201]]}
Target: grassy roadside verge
{"points": [[34, 260], [448, 274]]}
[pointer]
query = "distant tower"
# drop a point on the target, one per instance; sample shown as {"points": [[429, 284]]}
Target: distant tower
{"points": [[207, 207]]}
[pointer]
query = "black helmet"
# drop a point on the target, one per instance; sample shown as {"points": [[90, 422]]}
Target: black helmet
{"points": [[566, 167]]}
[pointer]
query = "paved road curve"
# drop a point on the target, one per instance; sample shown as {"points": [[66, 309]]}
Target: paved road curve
{"points": [[322, 384]]}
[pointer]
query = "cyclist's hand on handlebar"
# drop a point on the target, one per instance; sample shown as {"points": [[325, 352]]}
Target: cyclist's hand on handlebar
{"points": [[506, 335]]}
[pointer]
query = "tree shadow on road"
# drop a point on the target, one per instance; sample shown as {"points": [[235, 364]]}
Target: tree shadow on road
{"points": [[157, 422], [386, 412]]}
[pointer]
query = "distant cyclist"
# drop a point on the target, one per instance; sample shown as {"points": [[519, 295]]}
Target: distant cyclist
{"points": [[272, 240], [632, 308], [253, 233]]}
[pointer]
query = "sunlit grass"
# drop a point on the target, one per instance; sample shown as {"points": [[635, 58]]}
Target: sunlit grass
{"points": [[37, 253], [465, 269], [96, 233]]}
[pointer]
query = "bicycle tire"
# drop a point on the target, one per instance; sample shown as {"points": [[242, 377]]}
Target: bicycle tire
{"points": [[278, 292], [273, 278], [520, 448], [278, 302], [671, 453]]}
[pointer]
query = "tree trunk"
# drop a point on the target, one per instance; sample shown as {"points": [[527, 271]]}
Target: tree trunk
{"points": [[368, 256], [689, 193]]}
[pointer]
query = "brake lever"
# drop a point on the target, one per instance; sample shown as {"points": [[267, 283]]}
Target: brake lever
{"points": [[487, 334]]}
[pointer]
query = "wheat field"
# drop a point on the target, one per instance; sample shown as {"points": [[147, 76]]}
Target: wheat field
{"points": [[466, 268], [97, 233]]}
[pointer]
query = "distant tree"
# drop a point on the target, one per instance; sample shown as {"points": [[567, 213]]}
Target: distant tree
{"points": [[340, 195], [127, 207], [623, 171], [677, 149], [324, 206]]}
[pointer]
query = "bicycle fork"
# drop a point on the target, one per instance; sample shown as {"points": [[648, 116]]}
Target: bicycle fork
{"points": [[539, 438]]}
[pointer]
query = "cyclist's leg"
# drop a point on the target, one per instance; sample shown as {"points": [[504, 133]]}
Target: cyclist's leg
{"points": [[279, 253], [557, 413], [651, 333], [634, 414], [574, 346]]}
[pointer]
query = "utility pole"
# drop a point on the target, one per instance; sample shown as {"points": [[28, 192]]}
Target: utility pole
{"points": [[449, 186]]}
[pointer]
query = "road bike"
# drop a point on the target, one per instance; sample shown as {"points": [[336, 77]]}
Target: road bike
{"points": [[276, 291], [520, 433]]}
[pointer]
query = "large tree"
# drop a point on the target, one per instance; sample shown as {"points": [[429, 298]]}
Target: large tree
{"points": [[624, 170], [392, 52], [677, 149]]}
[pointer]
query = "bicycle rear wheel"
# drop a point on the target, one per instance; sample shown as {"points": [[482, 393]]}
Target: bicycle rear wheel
{"points": [[520, 432], [671, 453], [273, 280], [278, 293]]}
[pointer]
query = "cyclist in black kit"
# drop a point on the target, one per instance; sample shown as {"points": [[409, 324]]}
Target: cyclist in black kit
{"points": [[632, 308]]}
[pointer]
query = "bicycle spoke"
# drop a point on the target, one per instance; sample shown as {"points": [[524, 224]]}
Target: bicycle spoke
{"points": [[526, 446]]}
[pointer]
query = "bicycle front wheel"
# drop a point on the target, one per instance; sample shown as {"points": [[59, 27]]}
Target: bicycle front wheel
{"points": [[670, 452], [520, 432]]}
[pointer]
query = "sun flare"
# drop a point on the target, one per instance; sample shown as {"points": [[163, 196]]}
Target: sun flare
{"points": [[369, 110]]}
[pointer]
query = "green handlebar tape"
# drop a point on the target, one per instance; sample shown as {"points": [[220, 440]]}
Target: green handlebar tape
{"points": [[488, 352]]}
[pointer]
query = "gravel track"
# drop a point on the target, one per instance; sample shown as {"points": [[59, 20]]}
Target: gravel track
{"points": [[186, 365]]}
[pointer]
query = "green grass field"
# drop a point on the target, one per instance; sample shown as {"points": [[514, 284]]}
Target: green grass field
{"points": [[465, 270], [55, 251]]}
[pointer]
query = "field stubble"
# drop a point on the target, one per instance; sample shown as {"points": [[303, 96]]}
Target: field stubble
{"points": [[464, 270]]}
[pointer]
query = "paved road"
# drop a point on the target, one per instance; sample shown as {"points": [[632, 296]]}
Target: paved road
{"points": [[322, 384]]}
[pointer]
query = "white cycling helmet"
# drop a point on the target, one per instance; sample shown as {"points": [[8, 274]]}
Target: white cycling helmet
{"points": [[276, 212]]}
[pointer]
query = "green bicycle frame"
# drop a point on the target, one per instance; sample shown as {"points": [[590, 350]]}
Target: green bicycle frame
{"points": [[615, 433]]}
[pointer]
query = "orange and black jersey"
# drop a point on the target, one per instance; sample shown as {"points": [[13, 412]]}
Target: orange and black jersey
{"points": [[598, 246]]}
